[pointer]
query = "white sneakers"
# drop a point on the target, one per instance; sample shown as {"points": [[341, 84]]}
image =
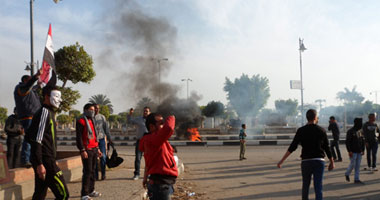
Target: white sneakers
{"points": [[93, 194]]}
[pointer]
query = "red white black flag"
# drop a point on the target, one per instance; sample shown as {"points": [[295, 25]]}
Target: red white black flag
{"points": [[48, 76]]}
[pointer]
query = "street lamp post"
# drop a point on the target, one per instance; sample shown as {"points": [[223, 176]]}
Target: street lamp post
{"points": [[187, 86], [301, 49], [31, 38], [159, 76]]}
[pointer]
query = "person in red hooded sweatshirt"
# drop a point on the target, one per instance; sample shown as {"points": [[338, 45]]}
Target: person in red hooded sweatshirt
{"points": [[160, 167]]}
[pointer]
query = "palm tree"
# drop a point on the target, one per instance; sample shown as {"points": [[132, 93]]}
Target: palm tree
{"points": [[350, 96], [102, 99]]}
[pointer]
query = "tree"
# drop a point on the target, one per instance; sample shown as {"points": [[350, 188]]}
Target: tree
{"points": [[113, 119], [247, 95], [286, 107], [122, 117], [350, 96], [145, 101], [74, 64], [103, 109], [64, 119], [75, 114], [213, 109], [70, 97], [102, 99], [3, 115]]}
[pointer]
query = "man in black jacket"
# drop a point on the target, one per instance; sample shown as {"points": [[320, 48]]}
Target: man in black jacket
{"points": [[42, 136], [14, 131], [370, 129], [27, 103], [333, 127], [315, 144], [355, 149]]}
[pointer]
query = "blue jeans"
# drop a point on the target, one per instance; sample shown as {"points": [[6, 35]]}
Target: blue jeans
{"points": [[355, 163], [315, 168], [138, 157], [371, 151], [25, 149], [160, 191], [102, 148]]}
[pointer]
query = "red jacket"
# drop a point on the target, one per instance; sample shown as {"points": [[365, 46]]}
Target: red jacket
{"points": [[158, 153], [82, 135]]}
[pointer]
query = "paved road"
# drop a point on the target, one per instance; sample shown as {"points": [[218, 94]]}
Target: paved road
{"points": [[216, 173]]}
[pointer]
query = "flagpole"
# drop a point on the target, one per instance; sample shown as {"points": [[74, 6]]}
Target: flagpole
{"points": [[31, 40]]}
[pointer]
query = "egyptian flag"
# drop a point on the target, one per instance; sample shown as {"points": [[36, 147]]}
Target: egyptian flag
{"points": [[49, 76]]}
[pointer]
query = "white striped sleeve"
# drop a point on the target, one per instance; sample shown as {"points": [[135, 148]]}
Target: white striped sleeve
{"points": [[41, 127]]}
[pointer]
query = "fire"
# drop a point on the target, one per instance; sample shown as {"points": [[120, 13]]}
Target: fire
{"points": [[194, 134]]}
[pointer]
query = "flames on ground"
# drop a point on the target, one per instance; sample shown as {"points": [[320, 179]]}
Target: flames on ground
{"points": [[194, 134]]}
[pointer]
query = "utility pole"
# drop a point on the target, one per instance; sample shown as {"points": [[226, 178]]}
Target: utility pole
{"points": [[301, 49], [187, 86]]}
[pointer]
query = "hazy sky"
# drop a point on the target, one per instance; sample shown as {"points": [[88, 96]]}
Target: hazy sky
{"points": [[215, 39]]}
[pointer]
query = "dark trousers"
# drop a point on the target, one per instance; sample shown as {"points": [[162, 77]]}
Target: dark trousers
{"points": [[315, 168], [53, 180], [160, 191], [88, 178], [242, 150], [335, 143], [371, 153], [102, 147], [13, 148], [25, 150], [138, 156]]}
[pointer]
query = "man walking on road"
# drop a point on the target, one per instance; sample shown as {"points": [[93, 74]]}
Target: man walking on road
{"points": [[160, 166], [315, 144], [333, 127], [371, 142], [141, 129], [355, 149]]}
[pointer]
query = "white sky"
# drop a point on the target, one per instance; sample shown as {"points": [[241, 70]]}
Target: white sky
{"points": [[216, 39]]}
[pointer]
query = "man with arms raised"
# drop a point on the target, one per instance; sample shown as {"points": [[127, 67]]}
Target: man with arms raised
{"points": [[160, 167]]}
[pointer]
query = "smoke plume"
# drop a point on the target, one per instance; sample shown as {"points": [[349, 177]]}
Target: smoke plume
{"points": [[149, 40]]}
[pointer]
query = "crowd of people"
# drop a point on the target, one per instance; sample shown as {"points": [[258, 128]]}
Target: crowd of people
{"points": [[33, 128], [315, 146]]}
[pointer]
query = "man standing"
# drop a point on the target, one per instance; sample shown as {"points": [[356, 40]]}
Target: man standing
{"points": [[42, 136], [160, 166], [27, 103], [315, 144], [103, 132], [333, 127], [141, 129], [355, 149], [371, 143], [87, 143], [14, 131], [242, 136]]}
